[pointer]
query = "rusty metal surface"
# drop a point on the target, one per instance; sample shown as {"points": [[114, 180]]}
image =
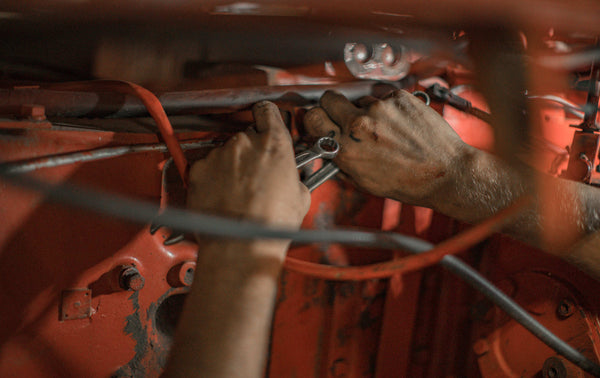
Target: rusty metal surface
{"points": [[416, 325], [561, 297], [75, 304], [321, 328]]}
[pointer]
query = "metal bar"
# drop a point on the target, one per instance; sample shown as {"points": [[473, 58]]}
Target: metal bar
{"points": [[61, 103], [92, 155]]}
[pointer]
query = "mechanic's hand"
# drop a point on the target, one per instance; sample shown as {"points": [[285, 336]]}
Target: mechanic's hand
{"points": [[397, 147], [253, 176]]}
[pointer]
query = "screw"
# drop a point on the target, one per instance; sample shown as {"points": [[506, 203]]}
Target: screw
{"points": [[131, 279], [565, 309]]}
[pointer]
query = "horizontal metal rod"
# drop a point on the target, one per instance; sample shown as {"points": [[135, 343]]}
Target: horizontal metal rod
{"points": [[92, 155], [60, 103]]}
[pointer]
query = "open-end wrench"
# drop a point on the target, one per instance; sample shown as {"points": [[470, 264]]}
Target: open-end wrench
{"points": [[324, 148]]}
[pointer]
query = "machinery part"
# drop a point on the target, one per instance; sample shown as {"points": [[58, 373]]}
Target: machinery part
{"points": [[324, 148], [424, 96], [76, 102], [570, 107], [555, 367], [97, 154], [186, 273], [380, 62], [586, 141], [152, 105], [520, 315], [179, 219], [131, 279], [315, 180], [75, 304], [591, 108], [445, 95], [565, 309], [583, 157]]}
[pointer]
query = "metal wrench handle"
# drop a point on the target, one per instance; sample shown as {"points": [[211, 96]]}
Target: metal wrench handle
{"points": [[315, 180], [324, 148]]}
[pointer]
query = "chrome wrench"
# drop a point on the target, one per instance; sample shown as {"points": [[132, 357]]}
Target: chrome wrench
{"points": [[324, 148]]}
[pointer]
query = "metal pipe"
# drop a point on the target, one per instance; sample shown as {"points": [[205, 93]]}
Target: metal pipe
{"points": [[150, 103], [104, 103], [92, 155]]}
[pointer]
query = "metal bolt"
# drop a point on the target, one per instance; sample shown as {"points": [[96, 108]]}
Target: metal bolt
{"points": [[131, 279], [565, 309], [360, 53], [554, 368], [388, 56]]}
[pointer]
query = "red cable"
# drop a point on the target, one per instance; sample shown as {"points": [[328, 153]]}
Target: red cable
{"points": [[411, 263], [149, 100]]}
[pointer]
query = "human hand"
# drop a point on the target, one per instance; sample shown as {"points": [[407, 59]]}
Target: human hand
{"points": [[253, 176], [397, 147]]}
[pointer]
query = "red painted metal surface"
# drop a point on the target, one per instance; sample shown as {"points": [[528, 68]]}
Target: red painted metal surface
{"points": [[425, 323]]}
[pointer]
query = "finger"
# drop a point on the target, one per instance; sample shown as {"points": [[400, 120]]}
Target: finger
{"points": [[267, 117], [402, 99], [317, 123], [251, 130], [366, 101], [305, 194], [340, 110]]}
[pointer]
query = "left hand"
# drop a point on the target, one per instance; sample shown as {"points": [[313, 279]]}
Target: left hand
{"points": [[253, 176]]}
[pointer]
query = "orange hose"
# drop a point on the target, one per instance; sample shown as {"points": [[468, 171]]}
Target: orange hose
{"points": [[149, 100], [411, 263]]}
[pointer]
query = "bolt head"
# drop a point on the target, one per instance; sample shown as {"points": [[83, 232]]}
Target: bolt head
{"points": [[131, 279], [360, 53], [565, 309]]}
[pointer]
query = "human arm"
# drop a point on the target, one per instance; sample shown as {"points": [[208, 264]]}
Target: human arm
{"points": [[224, 328], [400, 148]]}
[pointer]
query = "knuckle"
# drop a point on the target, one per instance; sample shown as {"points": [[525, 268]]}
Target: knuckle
{"points": [[328, 96], [314, 118], [346, 154], [360, 123], [238, 142], [264, 106], [377, 105]]}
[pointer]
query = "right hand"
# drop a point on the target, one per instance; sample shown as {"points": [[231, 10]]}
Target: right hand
{"points": [[397, 147]]}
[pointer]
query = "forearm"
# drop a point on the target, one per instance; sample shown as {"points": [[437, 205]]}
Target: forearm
{"points": [[225, 325], [562, 212]]}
